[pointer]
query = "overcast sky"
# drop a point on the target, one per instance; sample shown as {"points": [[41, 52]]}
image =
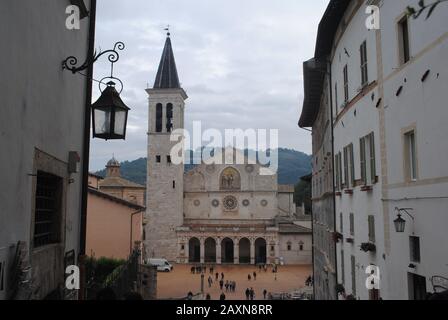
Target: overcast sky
{"points": [[240, 62]]}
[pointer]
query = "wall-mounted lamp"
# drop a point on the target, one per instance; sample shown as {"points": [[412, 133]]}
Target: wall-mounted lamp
{"points": [[109, 113], [400, 223]]}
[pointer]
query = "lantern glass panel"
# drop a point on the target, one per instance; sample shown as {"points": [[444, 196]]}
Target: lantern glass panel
{"points": [[102, 120], [120, 122]]}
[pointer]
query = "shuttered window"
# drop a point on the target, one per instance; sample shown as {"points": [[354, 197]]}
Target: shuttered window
{"points": [[364, 66], [362, 155], [352, 224], [346, 93], [372, 158], [371, 221], [353, 265], [346, 172], [367, 159]]}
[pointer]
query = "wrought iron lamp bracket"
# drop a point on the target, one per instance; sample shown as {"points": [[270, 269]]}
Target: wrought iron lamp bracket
{"points": [[405, 210], [71, 63]]}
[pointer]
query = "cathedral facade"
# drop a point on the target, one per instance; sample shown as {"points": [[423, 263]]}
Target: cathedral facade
{"points": [[214, 213]]}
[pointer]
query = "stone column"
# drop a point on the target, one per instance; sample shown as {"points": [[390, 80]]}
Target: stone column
{"points": [[236, 251], [252, 251], [202, 250], [187, 251], [218, 251], [277, 252]]}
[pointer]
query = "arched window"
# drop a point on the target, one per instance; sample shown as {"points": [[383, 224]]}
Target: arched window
{"points": [[159, 116], [169, 117]]}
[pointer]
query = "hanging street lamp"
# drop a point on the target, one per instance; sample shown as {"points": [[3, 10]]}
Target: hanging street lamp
{"points": [[109, 112], [400, 223], [109, 115]]}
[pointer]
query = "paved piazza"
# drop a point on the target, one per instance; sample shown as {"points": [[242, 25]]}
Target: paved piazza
{"points": [[180, 281]]}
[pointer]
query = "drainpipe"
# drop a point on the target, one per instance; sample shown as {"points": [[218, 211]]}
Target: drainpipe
{"points": [[329, 65], [130, 242], [86, 152]]}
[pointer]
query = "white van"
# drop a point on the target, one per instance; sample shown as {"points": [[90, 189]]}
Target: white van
{"points": [[161, 264]]}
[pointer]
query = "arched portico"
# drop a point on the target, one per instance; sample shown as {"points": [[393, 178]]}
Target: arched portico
{"points": [[244, 251], [194, 250], [210, 250], [227, 253], [260, 251]]}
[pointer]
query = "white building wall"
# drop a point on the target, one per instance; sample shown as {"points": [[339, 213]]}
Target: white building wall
{"points": [[421, 105], [356, 120], [42, 108]]}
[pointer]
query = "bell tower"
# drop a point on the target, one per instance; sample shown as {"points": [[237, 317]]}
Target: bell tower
{"points": [[164, 213]]}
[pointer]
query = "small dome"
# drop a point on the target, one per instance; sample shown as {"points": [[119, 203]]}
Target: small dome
{"points": [[113, 163]]}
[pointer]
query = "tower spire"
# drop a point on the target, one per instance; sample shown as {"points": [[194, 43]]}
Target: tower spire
{"points": [[167, 77]]}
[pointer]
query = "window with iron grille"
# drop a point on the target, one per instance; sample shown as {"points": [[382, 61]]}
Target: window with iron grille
{"points": [[47, 217]]}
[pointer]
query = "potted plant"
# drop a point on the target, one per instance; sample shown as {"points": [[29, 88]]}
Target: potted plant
{"points": [[337, 236], [368, 247], [350, 240]]}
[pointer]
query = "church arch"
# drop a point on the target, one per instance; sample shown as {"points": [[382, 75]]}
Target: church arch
{"points": [[244, 251], [210, 250], [194, 250], [227, 250], [260, 251]]}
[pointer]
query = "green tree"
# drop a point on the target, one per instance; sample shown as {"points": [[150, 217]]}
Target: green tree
{"points": [[302, 194]]}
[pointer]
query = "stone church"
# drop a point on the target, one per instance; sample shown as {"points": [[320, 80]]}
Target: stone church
{"points": [[214, 213]]}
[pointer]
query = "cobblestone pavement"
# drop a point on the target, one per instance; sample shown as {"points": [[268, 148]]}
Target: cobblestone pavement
{"points": [[180, 281]]}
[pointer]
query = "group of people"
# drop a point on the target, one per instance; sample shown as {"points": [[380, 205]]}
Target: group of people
{"points": [[229, 286]]}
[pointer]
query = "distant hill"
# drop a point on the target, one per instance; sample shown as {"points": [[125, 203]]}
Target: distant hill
{"points": [[292, 165]]}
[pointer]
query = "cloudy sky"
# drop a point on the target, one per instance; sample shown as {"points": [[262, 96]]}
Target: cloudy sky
{"points": [[240, 62]]}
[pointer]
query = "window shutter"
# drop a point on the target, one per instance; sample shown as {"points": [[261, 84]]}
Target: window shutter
{"points": [[336, 160], [346, 178], [372, 228], [372, 158], [353, 265], [362, 154], [352, 224], [352, 165]]}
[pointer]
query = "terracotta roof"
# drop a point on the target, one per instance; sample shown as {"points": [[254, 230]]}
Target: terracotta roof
{"points": [[96, 176], [115, 199], [292, 228], [119, 182]]}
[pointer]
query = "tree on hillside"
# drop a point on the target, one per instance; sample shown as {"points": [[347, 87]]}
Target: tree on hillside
{"points": [[302, 194]]}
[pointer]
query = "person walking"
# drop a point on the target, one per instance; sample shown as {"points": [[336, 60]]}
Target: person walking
{"points": [[208, 297], [216, 276], [255, 276], [227, 286], [265, 293], [247, 293], [252, 294], [222, 275], [234, 286], [221, 284], [210, 281], [222, 297], [249, 277]]}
